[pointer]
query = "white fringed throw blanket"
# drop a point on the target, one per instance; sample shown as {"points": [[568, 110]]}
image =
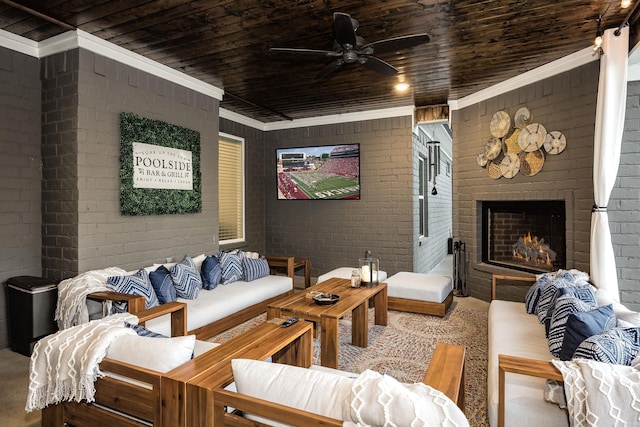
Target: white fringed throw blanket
{"points": [[64, 366], [72, 295], [380, 400], [600, 394]]}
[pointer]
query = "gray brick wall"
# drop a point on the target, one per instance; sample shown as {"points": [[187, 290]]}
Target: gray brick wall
{"points": [[59, 75], [334, 233], [20, 173], [83, 95], [624, 204], [565, 103]]}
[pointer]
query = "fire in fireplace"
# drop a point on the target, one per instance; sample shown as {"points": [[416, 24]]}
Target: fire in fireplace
{"points": [[524, 235]]}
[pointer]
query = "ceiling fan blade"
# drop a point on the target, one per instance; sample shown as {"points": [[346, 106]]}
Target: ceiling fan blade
{"points": [[329, 69], [379, 66], [397, 43], [345, 33], [304, 51]]}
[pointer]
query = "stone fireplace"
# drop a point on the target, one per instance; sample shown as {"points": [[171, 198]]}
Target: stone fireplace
{"points": [[525, 235]]}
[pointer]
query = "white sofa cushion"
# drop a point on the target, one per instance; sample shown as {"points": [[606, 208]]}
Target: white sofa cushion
{"points": [[215, 304], [514, 332], [158, 354], [419, 286], [345, 273], [320, 392]]}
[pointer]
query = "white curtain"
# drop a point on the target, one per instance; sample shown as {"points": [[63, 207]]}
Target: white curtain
{"points": [[610, 110]]}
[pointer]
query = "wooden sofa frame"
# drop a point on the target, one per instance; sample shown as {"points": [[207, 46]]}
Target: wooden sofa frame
{"points": [[137, 397], [446, 373], [515, 364]]}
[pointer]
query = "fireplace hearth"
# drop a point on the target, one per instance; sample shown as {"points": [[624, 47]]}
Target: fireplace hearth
{"points": [[524, 235]]}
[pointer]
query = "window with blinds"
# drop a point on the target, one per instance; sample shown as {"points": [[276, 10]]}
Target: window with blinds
{"points": [[231, 189]]}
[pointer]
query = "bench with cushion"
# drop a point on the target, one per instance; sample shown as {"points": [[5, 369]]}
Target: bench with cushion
{"points": [[318, 397]]}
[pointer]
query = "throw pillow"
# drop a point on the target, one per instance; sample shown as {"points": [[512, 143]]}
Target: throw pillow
{"points": [[565, 306], [581, 326], [533, 296], [231, 265], [163, 285], [254, 268], [583, 292], [158, 354], [143, 332], [186, 278], [136, 284], [618, 345], [549, 291], [211, 273]]}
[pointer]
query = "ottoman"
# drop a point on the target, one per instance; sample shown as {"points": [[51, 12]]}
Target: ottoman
{"points": [[345, 273], [420, 293]]}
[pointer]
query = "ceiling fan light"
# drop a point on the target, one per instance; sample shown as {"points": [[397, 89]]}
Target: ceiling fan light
{"points": [[625, 3]]}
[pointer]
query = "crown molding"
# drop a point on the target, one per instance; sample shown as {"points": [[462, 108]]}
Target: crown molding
{"points": [[558, 66], [81, 39], [18, 43]]}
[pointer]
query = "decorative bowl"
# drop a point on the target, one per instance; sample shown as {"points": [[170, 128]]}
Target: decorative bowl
{"points": [[326, 299]]}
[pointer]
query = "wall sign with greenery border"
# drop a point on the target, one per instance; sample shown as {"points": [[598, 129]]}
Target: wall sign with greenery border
{"points": [[157, 201]]}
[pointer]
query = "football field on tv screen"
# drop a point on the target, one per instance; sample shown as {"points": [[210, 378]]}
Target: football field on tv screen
{"points": [[320, 186]]}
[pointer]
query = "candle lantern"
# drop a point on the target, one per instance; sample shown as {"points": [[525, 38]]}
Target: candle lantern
{"points": [[369, 270]]}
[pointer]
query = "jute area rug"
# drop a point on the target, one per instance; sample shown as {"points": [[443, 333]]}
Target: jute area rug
{"points": [[404, 347]]}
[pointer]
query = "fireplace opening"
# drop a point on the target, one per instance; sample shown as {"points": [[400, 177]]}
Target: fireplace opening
{"points": [[524, 235]]}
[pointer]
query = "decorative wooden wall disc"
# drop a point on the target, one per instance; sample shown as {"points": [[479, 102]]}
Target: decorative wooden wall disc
{"points": [[522, 118], [500, 124], [532, 137], [510, 165], [493, 166], [510, 144], [531, 163], [555, 142], [482, 159], [493, 148]]}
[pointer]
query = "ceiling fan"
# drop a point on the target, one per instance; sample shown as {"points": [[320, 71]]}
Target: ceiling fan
{"points": [[349, 48]]}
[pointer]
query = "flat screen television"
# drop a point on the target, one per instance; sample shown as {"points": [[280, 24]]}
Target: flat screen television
{"points": [[326, 172]]}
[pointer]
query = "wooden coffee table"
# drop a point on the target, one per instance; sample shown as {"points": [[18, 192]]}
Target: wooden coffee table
{"points": [[352, 300]]}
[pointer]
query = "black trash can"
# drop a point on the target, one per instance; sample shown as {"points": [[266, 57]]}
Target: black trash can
{"points": [[31, 303]]}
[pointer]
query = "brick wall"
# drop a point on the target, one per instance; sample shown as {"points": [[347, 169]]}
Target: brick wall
{"points": [[624, 205], [20, 172], [86, 230], [565, 103], [335, 233]]}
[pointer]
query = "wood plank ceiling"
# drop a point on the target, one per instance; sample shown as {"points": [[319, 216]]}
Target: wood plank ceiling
{"points": [[474, 44]]}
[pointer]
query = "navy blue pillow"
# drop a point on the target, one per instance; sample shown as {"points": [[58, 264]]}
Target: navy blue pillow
{"points": [[583, 325], [163, 285], [582, 292], [618, 346], [211, 272]]}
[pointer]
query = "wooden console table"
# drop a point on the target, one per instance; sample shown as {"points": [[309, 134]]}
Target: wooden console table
{"points": [[291, 264]]}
